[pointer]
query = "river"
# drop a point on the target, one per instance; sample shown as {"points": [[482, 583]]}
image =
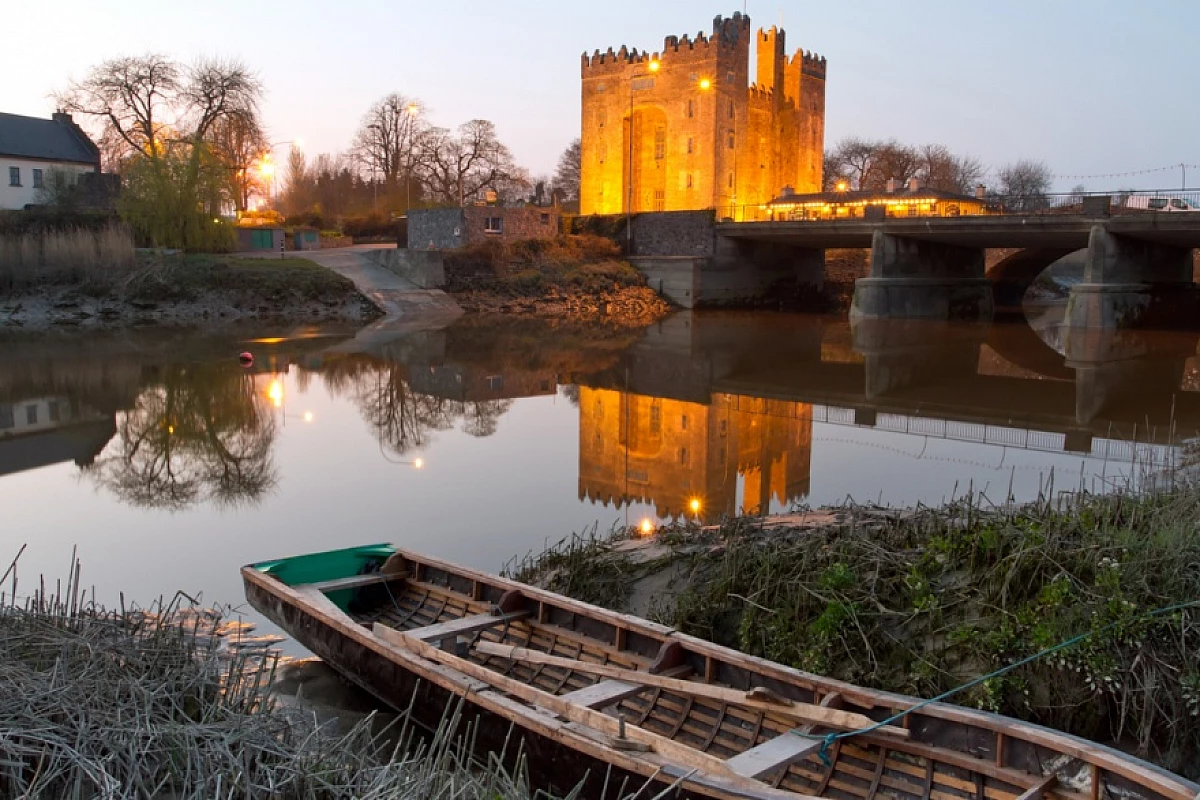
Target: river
{"points": [[167, 464]]}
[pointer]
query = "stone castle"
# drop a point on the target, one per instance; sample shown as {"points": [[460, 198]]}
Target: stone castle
{"points": [[685, 129]]}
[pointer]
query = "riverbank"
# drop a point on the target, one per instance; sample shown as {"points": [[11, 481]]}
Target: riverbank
{"points": [[921, 601], [581, 278], [187, 290], [176, 703]]}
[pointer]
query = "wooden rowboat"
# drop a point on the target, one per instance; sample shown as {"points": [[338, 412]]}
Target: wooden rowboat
{"points": [[596, 692]]}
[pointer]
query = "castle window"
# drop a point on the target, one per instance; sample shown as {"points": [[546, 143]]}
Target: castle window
{"points": [[683, 455], [602, 117], [731, 180], [660, 200], [689, 180], [731, 109], [660, 143], [683, 422], [731, 140], [691, 145], [691, 108], [603, 152]]}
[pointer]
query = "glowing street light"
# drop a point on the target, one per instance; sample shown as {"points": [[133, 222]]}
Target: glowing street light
{"points": [[647, 527], [705, 84], [695, 505]]}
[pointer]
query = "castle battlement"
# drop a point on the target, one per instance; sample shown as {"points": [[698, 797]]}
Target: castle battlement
{"points": [[687, 140], [810, 64]]}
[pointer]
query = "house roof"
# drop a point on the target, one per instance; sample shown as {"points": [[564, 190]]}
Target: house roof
{"points": [[835, 198], [58, 139]]}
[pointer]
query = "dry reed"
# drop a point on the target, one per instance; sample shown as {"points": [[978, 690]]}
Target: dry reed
{"points": [[98, 260]]}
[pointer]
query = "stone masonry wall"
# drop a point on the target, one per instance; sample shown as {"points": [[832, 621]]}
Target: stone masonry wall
{"points": [[679, 233], [436, 229]]}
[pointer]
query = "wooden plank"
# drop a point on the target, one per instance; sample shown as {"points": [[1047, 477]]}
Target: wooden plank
{"points": [[610, 691], [1038, 790], [681, 754], [805, 712], [354, 581], [782, 751], [464, 625]]}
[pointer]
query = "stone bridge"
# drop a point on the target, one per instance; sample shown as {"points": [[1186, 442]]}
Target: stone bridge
{"points": [[1138, 267]]}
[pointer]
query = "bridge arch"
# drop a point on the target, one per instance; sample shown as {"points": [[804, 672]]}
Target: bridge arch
{"points": [[1013, 274]]}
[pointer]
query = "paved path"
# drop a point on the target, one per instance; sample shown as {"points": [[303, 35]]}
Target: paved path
{"points": [[397, 297]]}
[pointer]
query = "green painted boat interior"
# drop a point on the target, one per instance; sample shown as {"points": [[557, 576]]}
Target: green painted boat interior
{"points": [[318, 567]]}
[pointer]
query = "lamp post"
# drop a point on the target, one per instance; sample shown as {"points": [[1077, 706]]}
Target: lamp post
{"points": [[651, 68], [414, 111], [266, 166]]}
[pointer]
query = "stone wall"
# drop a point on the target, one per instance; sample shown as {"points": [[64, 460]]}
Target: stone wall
{"points": [[436, 229], [679, 233], [516, 223], [425, 268]]}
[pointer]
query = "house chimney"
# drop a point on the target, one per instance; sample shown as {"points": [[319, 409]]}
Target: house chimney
{"points": [[62, 117], [892, 185], [788, 191], [981, 192], [915, 184]]}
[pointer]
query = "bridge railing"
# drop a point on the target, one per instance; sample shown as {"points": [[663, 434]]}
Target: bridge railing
{"points": [[901, 205]]}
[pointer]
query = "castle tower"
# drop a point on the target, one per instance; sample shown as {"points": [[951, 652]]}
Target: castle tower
{"points": [[684, 129]]}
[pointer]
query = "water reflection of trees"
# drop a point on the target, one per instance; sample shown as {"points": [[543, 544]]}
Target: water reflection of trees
{"points": [[401, 419], [200, 433]]}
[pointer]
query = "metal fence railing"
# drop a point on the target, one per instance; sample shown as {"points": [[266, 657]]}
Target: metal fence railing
{"points": [[900, 205]]}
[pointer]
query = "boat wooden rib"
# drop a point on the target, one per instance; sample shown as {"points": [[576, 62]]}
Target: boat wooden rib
{"points": [[598, 693]]}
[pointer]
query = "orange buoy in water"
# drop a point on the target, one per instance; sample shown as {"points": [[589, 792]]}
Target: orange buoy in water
{"points": [[247, 359]]}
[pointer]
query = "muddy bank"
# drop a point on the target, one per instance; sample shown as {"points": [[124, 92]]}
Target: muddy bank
{"points": [[629, 306], [187, 290], [922, 601], [67, 308]]}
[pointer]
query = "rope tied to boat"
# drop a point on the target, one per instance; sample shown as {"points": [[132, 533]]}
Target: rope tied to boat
{"points": [[828, 740]]}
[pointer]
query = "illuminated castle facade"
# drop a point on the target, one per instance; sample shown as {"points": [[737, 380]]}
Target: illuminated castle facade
{"points": [[686, 129]]}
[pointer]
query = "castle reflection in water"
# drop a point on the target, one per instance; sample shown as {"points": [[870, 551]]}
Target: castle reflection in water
{"points": [[698, 417], [733, 455]]}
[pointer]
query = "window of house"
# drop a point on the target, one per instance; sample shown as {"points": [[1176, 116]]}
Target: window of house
{"points": [[56, 411], [691, 145], [14, 176], [37, 179], [493, 225], [691, 108], [6, 416], [31, 415], [660, 144], [545, 219], [660, 200], [495, 382]]}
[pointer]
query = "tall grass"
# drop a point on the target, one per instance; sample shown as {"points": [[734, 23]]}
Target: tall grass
{"points": [[171, 702], [97, 259]]}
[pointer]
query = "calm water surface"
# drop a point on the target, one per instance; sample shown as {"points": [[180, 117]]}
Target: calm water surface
{"points": [[169, 465]]}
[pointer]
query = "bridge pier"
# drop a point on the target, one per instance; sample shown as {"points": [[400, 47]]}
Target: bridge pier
{"points": [[917, 279], [1131, 283]]}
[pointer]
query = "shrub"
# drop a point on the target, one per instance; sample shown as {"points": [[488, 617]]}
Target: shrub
{"points": [[372, 225]]}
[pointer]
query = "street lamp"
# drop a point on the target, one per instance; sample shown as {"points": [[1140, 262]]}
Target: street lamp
{"points": [[651, 68], [414, 111], [266, 166]]}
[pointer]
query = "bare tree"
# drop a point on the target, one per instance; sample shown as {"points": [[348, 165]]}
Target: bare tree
{"points": [[131, 97], [298, 181], [1024, 184], [386, 141], [889, 161], [941, 169], [238, 142], [567, 174], [458, 166], [852, 158]]}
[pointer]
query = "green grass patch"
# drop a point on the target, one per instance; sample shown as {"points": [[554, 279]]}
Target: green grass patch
{"points": [[253, 280]]}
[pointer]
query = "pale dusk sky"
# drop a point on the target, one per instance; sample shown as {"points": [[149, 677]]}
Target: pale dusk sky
{"points": [[1088, 87]]}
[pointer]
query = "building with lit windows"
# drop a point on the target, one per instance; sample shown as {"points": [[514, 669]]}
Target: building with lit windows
{"points": [[686, 129]]}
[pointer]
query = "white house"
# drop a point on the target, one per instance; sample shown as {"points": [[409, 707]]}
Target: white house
{"points": [[30, 147]]}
